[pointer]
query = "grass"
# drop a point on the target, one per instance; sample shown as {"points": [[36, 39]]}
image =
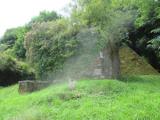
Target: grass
{"points": [[131, 98]]}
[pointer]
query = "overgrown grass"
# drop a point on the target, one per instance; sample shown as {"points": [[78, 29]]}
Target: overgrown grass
{"points": [[132, 63], [132, 98]]}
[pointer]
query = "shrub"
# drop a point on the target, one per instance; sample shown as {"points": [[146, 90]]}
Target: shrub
{"points": [[49, 44], [12, 71]]}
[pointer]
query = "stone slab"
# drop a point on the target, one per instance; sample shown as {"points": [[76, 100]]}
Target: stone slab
{"points": [[29, 86]]}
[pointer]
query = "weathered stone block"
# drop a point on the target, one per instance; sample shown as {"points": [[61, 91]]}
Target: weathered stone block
{"points": [[29, 86]]}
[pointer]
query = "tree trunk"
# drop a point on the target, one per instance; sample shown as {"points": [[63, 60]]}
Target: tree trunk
{"points": [[111, 62]]}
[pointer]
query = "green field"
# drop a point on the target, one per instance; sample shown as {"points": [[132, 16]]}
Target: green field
{"points": [[133, 98]]}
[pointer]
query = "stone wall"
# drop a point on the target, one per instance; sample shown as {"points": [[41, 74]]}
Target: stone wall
{"points": [[31, 86]]}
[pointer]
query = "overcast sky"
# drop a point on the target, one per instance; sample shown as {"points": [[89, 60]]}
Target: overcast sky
{"points": [[15, 13]]}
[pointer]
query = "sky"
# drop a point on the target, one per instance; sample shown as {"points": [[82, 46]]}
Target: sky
{"points": [[14, 13]]}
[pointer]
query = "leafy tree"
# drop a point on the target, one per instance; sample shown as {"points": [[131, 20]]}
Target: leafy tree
{"points": [[14, 38], [18, 48], [112, 24], [9, 37], [13, 42], [146, 9], [44, 16]]}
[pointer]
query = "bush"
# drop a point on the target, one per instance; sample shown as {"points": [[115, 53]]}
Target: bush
{"points": [[12, 71], [49, 44]]}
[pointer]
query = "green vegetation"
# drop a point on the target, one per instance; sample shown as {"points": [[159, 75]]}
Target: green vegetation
{"points": [[96, 36], [49, 44], [132, 63], [44, 16], [49, 40], [12, 71], [132, 98]]}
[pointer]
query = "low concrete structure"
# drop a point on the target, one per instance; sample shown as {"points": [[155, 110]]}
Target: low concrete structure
{"points": [[29, 86]]}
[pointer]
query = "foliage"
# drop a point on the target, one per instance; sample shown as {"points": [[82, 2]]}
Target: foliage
{"points": [[44, 16], [145, 41], [3, 47], [50, 40], [49, 44], [146, 10], [14, 38], [13, 42], [111, 22], [18, 48], [9, 37], [155, 44], [12, 71]]}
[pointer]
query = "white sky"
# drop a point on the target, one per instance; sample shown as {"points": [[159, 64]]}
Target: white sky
{"points": [[15, 13]]}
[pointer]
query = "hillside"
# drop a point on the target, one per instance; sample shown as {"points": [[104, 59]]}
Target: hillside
{"points": [[132, 63], [129, 99]]}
